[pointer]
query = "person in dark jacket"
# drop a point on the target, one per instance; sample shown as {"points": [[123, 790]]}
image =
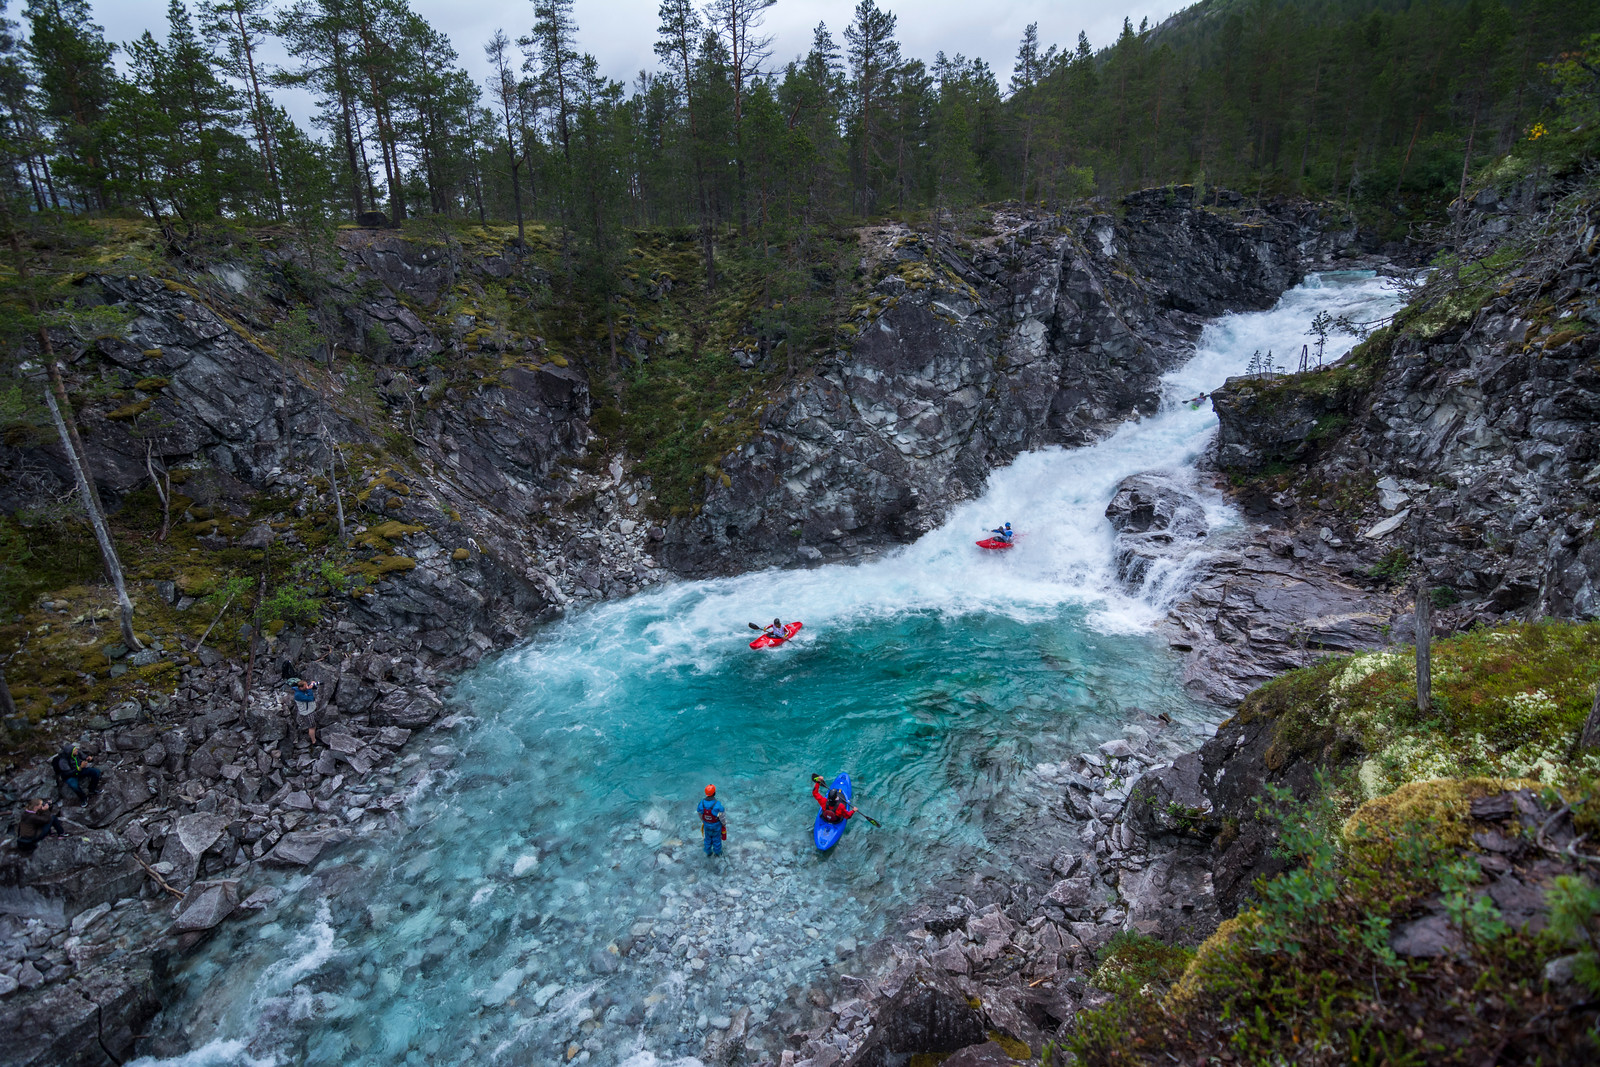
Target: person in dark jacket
{"points": [[37, 823], [76, 770]]}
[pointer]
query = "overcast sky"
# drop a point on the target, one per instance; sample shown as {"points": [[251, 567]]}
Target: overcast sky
{"points": [[620, 32]]}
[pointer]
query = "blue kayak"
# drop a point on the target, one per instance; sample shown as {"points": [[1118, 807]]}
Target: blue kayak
{"points": [[826, 834]]}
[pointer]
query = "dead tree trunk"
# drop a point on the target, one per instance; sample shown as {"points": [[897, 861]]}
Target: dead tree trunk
{"points": [[8, 707], [163, 484], [1424, 626], [108, 551]]}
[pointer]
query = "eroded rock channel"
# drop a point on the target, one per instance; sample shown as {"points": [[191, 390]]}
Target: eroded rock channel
{"points": [[1051, 336]]}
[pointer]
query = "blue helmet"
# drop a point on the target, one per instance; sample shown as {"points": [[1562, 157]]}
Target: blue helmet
{"points": [[1008, 526]]}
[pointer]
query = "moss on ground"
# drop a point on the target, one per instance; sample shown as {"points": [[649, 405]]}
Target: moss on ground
{"points": [[1507, 703], [1307, 975]]}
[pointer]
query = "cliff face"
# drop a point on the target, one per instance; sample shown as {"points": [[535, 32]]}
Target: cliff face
{"points": [[1047, 332], [1457, 448], [464, 445]]}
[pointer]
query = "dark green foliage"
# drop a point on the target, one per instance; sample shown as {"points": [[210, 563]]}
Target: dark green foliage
{"points": [[1575, 921], [1393, 567], [42, 553], [1381, 104], [1131, 963], [291, 604]]}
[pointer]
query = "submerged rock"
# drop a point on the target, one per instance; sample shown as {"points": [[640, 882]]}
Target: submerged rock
{"points": [[1158, 520]]}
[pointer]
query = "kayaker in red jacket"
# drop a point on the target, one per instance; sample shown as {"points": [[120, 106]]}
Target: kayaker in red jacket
{"points": [[834, 806]]}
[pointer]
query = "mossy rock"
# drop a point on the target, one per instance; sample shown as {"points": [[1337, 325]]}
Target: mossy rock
{"points": [[1216, 956], [195, 582], [163, 674], [393, 530], [1017, 1050], [383, 566], [151, 385], [129, 412], [1445, 804], [460, 554]]}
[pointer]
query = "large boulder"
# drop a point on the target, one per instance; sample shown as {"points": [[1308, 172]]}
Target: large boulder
{"points": [[928, 1015], [120, 792], [1159, 521], [191, 837], [63, 876], [300, 848], [102, 1009], [206, 905]]}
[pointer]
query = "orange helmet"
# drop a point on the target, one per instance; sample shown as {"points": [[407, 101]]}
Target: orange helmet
{"points": [[711, 790]]}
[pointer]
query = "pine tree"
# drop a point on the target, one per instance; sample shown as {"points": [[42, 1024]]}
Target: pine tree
{"points": [[504, 91], [1031, 67], [240, 27], [874, 57], [677, 35], [552, 55], [71, 64], [737, 23]]}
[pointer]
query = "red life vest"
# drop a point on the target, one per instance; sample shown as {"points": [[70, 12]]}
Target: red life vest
{"points": [[831, 812]]}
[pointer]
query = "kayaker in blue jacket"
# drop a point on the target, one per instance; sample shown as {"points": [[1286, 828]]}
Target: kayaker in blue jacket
{"points": [[1003, 533], [712, 822]]}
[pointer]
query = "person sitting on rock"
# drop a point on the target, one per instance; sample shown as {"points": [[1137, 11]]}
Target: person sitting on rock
{"points": [[75, 768], [712, 821], [37, 823], [1003, 533], [834, 806]]}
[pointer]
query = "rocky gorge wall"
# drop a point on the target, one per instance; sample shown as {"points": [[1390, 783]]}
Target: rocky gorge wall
{"points": [[1456, 448], [1049, 331], [472, 518]]}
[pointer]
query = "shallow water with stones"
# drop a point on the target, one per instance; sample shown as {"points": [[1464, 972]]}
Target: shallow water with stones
{"points": [[543, 897]]}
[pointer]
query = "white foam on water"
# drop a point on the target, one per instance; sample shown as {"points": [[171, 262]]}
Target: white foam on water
{"points": [[222, 1052], [646, 1058], [316, 947], [1055, 497]]}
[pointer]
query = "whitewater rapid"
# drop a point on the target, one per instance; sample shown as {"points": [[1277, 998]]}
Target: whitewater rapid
{"points": [[543, 896]]}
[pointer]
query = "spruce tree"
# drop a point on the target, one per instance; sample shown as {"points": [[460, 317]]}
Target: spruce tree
{"points": [[874, 57]]}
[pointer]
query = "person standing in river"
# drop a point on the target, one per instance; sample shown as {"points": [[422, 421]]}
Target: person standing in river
{"points": [[712, 822]]}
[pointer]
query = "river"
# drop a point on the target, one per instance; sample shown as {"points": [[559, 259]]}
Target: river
{"points": [[543, 897]]}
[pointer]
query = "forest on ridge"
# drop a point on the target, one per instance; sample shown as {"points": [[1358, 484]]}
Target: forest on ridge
{"points": [[1374, 101]]}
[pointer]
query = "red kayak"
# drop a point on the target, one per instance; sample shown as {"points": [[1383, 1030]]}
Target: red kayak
{"points": [[766, 641], [995, 542]]}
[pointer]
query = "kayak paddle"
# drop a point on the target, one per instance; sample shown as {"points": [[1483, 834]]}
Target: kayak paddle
{"points": [[869, 818]]}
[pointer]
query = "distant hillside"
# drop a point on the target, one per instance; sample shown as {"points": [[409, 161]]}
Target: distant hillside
{"points": [[1384, 103]]}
